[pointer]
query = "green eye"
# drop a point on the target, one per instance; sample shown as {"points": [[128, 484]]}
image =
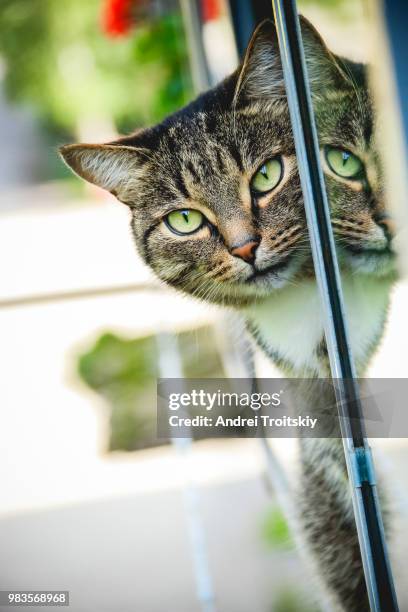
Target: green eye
{"points": [[344, 163], [185, 221], [268, 176]]}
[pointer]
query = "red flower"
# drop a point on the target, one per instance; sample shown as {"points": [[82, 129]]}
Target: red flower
{"points": [[118, 16], [211, 9]]}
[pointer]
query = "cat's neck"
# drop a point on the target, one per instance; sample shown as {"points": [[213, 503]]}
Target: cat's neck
{"points": [[288, 325]]}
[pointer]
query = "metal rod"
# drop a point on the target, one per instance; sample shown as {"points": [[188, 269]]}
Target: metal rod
{"points": [[200, 73], [243, 22], [170, 366], [77, 294], [245, 14], [360, 468]]}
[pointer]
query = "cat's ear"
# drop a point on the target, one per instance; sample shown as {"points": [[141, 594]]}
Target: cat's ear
{"points": [[323, 67], [261, 74], [110, 166]]}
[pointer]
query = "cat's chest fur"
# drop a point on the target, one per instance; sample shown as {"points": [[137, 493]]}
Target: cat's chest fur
{"points": [[288, 325]]}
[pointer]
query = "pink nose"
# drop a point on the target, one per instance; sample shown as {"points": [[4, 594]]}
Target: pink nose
{"points": [[246, 251]]}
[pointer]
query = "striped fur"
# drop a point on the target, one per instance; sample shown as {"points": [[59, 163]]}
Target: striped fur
{"points": [[203, 158]]}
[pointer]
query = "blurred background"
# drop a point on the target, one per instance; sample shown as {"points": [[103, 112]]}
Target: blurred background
{"points": [[90, 500]]}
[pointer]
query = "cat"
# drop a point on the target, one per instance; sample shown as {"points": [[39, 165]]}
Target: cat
{"points": [[217, 212]]}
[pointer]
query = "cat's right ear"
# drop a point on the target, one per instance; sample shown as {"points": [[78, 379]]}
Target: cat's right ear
{"points": [[115, 168], [261, 74]]}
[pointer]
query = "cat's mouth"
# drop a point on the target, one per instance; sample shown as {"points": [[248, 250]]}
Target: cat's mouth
{"points": [[359, 250], [271, 271], [368, 260]]}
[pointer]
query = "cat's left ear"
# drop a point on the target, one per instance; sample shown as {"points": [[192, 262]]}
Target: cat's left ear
{"points": [[261, 73], [115, 168]]}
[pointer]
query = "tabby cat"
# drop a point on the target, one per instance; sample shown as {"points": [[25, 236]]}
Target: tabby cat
{"points": [[217, 212]]}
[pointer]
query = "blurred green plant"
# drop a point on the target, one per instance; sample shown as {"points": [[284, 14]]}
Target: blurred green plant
{"points": [[290, 600], [58, 60], [275, 531], [124, 373], [276, 534], [339, 9]]}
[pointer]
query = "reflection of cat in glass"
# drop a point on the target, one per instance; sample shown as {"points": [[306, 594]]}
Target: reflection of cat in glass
{"points": [[217, 212]]}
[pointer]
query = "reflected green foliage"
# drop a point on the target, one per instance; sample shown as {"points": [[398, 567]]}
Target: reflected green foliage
{"points": [[124, 373], [275, 530], [115, 362], [327, 4], [58, 60], [290, 600], [199, 354], [276, 534], [336, 9], [331, 4]]}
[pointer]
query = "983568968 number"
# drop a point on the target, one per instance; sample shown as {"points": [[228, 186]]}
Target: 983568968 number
{"points": [[34, 598]]}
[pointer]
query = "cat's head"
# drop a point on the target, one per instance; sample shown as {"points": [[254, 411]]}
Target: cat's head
{"points": [[214, 193]]}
